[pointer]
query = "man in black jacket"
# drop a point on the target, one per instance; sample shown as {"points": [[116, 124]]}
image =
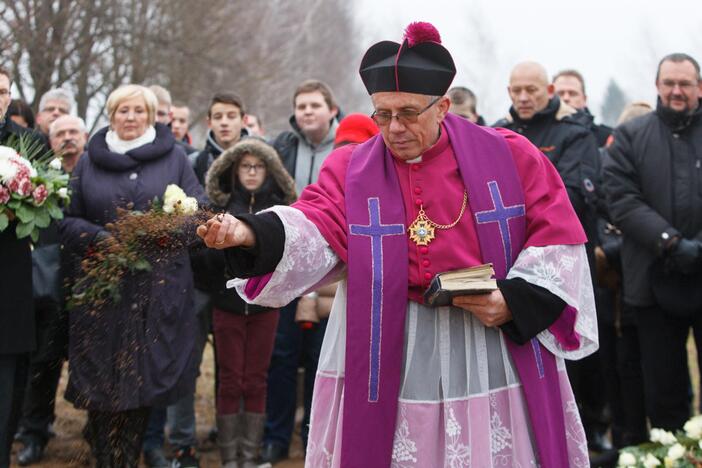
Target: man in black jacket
{"points": [[554, 127], [569, 85], [653, 183], [225, 119], [17, 323]]}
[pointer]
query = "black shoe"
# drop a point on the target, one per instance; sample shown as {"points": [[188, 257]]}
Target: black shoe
{"points": [[273, 453], [32, 453], [185, 458]]}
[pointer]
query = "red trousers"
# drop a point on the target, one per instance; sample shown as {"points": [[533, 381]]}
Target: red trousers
{"points": [[244, 348]]}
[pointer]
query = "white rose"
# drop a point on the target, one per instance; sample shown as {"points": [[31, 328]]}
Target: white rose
{"points": [[676, 451], [168, 208], [626, 459], [189, 206], [63, 192], [173, 193], [55, 164], [650, 461]]}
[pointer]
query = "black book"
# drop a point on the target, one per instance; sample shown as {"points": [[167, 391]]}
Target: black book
{"points": [[466, 281]]}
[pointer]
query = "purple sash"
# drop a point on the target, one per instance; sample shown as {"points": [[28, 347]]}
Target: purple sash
{"points": [[377, 291]]}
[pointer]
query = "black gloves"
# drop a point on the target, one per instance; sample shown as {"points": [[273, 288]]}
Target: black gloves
{"points": [[685, 257]]}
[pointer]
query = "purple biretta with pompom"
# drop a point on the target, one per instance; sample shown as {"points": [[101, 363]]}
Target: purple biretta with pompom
{"points": [[406, 385]]}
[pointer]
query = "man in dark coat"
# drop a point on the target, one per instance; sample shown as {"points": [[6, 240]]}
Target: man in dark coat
{"points": [[67, 137], [17, 326], [552, 126], [653, 182], [569, 85]]}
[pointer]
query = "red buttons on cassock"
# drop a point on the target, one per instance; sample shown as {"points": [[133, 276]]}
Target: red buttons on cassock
{"points": [[415, 167], [424, 250], [427, 275], [418, 202], [426, 263], [417, 190]]}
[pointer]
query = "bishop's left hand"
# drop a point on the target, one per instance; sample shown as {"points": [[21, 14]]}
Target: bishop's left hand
{"points": [[491, 309]]}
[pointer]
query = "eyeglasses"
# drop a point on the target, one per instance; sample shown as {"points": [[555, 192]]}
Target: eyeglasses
{"points": [[684, 85], [248, 167], [404, 117]]}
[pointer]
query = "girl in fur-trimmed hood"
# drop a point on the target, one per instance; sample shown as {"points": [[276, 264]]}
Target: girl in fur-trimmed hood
{"points": [[227, 183], [246, 178]]}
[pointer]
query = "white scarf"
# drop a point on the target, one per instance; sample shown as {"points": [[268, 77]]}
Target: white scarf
{"points": [[117, 145]]}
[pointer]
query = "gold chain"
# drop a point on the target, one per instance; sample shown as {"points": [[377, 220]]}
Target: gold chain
{"points": [[423, 214]]}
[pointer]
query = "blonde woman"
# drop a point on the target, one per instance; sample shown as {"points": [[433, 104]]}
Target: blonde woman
{"points": [[139, 353]]}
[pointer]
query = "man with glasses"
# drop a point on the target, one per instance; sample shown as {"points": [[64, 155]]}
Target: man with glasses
{"points": [[478, 382], [653, 182], [52, 105]]}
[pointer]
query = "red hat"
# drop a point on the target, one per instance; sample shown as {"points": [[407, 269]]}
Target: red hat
{"points": [[355, 128]]}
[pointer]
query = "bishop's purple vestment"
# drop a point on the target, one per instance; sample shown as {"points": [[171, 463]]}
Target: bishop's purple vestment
{"points": [[403, 384]]}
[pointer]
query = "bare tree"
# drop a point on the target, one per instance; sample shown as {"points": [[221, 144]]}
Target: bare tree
{"points": [[260, 50]]}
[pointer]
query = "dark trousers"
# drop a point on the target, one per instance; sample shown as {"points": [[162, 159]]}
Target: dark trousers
{"points": [[244, 345], [663, 340], [13, 376], [633, 429], [293, 346], [40, 400], [44, 372], [115, 437]]}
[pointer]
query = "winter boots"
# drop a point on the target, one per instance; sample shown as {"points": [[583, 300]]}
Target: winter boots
{"points": [[239, 439]]}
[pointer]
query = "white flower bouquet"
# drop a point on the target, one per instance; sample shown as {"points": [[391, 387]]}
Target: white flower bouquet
{"points": [[32, 187], [665, 449]]}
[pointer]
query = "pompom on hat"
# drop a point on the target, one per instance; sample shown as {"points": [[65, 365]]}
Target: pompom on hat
{"points": [[419, 65]]}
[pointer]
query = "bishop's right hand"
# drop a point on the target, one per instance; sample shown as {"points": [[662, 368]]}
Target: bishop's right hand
{"points": [[224, 231]]}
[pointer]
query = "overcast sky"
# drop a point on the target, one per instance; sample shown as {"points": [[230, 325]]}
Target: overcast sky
{"points": [[622, 39]]}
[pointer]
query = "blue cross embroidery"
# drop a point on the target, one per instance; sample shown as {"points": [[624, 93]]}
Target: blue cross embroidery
{"points": [[501, 215], [376, 231]]}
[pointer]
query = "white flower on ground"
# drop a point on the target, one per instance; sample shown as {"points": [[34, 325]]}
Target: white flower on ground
{"points": [[662, 436], [626, 459], [676, 451], [650, 461], [62, 192], [693, 428], [55, 164]]}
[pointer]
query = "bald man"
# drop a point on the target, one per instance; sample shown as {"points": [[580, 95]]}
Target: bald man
{"points": [[557, 130], [539, 115]]}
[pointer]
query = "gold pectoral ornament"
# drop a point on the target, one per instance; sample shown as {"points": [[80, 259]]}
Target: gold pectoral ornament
{"points": [[422, 230]]}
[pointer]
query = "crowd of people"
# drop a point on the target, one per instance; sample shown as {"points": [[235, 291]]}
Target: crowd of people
{"points": [[632, 196]]}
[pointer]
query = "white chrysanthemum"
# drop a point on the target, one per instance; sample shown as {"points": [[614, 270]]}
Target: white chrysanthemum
{"points": [[7, 170], [168, 208], [63, 192], [626, 459], [6, 152]]}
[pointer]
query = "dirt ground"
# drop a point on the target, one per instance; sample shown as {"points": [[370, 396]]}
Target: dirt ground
{"points": [[68, 449]]}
